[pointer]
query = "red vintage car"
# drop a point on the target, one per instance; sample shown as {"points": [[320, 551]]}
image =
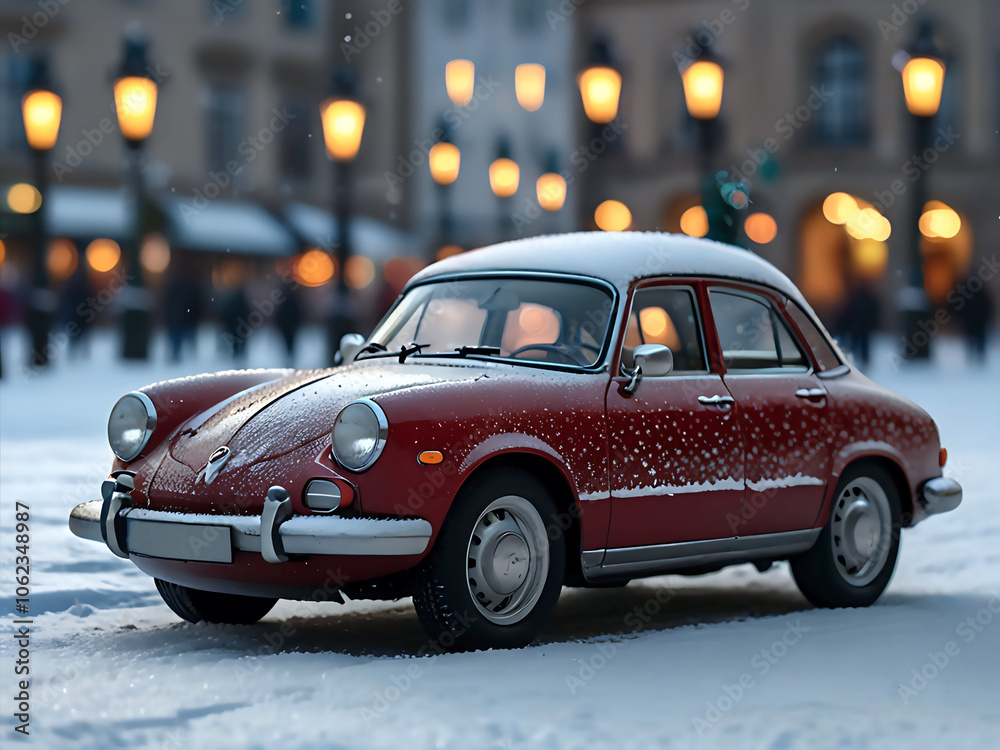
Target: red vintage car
{"points": [[574, 410]]}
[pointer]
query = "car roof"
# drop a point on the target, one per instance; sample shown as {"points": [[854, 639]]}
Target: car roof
{"points": [[619, 258]]}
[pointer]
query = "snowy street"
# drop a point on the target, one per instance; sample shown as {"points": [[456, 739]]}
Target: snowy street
{"points": [[733, 659]]}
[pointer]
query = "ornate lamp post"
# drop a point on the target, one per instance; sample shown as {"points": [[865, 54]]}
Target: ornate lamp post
{"points": [[135, 104], [703, 79], [343, 116], [42, 111], [444, 160], [923, 79], [505, 176]]}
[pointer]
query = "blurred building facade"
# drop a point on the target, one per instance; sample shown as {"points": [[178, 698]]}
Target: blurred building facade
{"points": [[812, 105]]}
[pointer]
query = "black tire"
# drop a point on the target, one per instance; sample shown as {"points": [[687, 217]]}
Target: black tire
{"points": [[823, 574], [195, 605], [443, 589]]}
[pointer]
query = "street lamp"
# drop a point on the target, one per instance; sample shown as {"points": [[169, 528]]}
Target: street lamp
{"points": [[135, 104], [505, 176], [343, 116], [600, 84], [42, 111], [444, 160], [923, 79], [702, 79]]}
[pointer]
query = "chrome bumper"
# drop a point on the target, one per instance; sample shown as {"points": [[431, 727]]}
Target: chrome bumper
{"points": [[940, 495], [275, 534]]}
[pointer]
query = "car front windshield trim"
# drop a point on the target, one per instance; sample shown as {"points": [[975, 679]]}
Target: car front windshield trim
{"points": [[539, 320]]}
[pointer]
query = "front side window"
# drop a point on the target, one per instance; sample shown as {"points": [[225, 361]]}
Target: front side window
{"points": [[533, 320], [752, 335], [667, 316]]}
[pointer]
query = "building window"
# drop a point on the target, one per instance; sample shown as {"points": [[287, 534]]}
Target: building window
{"points": [[298, 13], [456, 12], [224, 111], [14, 72], [839, 74], [296, 144]]}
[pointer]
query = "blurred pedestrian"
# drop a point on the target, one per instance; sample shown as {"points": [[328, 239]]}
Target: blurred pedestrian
{"points": [[74, 312], [288, 319], [975, 316], [235, 311], [859, 319], [181, 313]]}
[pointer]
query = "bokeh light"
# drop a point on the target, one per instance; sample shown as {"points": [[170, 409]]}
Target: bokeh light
{"points": [[505, 176], [24, 198], [529, 85], [314, 268], [613, 216], [839, 207], [939, 220], [460, 80], [760, 228], [155, 253], [62, 259], [103, 254], [694, 222], [359, 272]]}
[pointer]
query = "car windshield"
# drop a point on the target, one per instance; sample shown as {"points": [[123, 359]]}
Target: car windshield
{"points": [[538, 320]]}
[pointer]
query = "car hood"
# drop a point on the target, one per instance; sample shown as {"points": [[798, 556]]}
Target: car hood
{"points": [[275, 418]]}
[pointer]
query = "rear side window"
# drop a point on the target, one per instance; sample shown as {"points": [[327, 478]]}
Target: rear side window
{"points": [[826, 357], [752, 335]]}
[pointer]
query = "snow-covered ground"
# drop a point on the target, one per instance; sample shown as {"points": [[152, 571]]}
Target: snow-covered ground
{"points": [[732, 659]]}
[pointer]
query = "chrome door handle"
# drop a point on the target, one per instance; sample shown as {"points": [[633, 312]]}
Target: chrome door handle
{"points": [[811, 394], [723, 402]]}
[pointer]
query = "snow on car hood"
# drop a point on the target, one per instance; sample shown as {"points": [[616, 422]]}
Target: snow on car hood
{"points": [[276, 418]]}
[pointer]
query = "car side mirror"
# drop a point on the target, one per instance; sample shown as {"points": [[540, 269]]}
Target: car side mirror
{"points": [[652, 360], [350, 344]]}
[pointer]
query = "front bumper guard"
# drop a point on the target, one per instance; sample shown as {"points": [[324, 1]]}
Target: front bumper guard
{"points": [[275, 534], [940, 495]]}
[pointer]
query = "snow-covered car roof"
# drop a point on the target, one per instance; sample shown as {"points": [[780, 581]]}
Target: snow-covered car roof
{"points": [[620, 258]]}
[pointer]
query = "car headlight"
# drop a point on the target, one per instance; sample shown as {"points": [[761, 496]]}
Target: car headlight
{"points": [[359, 434], [132, 422]]}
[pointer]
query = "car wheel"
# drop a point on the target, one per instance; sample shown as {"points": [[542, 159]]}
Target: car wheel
{"points": [[855, 555], [195, 605], [496, 570]]}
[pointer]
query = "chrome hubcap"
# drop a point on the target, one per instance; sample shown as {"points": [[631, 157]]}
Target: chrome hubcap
{"points": [[862, 531], [508, 560]]}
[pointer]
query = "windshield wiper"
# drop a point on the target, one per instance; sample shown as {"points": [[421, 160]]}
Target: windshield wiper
{"points": [[403, 352], [372, 347], [465, 351]]}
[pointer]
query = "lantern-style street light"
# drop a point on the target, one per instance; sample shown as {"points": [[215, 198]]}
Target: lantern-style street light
{"points": [[41, 107], [135, 93], [600, 84], [444, 160], [343, 114], [505, 176], [529, 85], [923, 79], [702, 79]]}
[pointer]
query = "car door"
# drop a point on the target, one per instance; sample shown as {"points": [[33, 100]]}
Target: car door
{"points": [[784, 409], [676, 449]]}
